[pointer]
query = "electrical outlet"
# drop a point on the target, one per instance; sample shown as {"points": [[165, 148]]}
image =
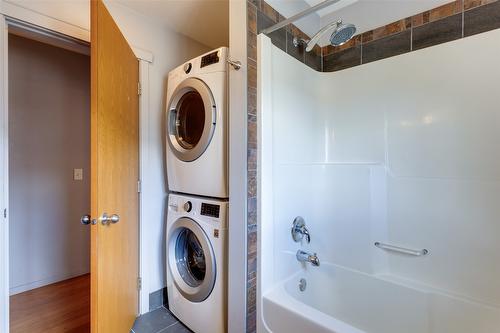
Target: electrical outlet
{"points": [[77, 174]]}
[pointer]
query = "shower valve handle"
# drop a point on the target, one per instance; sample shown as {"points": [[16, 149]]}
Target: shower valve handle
{"points": [[299, 230]]}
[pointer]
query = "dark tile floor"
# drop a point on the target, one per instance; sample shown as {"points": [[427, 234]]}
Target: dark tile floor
{"points": [[159, 321]]}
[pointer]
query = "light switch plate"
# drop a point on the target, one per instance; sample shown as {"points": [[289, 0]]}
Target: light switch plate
{"points": [[77, 174]]}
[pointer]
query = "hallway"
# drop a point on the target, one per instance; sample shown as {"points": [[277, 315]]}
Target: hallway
{"points": [[60, 307]]}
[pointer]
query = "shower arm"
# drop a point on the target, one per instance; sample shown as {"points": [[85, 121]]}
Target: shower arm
{"points": [[314, 40], [298, 16]]}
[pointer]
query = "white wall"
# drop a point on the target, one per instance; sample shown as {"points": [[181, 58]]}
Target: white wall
{"points": [[169, 49], [403, 151], [237, 247], [328, 167], [49, 136]]}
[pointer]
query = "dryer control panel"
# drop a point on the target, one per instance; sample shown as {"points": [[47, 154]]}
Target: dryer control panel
{"points": [[209, 59], [210, 62]]}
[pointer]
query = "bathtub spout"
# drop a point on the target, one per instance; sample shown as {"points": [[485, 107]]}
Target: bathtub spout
{"points": [[304, 256]]}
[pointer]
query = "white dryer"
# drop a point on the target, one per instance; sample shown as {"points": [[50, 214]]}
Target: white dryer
{"points": [[196, 262], [197, 122]]}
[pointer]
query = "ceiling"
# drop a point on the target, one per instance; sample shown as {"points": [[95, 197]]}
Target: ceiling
{"points": [[206, 21], [365, 14]]}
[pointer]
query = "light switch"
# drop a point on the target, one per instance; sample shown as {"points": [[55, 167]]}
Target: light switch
{"points": [[77, 174]]}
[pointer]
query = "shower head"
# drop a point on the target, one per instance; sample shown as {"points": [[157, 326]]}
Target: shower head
{"points": [[341, 34]]}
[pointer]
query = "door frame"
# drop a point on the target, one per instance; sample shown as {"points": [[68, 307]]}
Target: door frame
{"points": [[4, 177], [145, 59]]}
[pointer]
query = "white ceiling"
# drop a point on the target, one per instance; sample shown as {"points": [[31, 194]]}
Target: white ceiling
{"points": [[206, 21], [365, 14], [332, 8]]}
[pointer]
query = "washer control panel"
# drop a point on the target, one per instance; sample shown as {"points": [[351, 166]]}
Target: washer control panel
{"points": [[188, 206], [210, 210], [206, 210]]}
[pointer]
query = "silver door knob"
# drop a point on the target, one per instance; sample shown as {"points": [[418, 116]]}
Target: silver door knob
{"points": [[85, 219], [108, 219]]}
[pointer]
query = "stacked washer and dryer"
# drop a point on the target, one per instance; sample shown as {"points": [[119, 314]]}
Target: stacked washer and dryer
{"points": [[197, 175]]}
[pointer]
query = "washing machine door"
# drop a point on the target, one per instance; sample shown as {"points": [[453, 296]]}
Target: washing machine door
{"points": [[191, 260], [191, 119]]}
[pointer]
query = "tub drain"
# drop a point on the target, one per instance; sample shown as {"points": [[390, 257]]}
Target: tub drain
{"points": [[302, 284]]}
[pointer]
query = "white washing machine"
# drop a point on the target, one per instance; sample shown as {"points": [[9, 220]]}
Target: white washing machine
{"points": [[196, 267], [197, 122]]}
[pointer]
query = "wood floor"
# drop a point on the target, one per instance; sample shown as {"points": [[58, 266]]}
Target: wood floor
{"points": [[56, 308]]}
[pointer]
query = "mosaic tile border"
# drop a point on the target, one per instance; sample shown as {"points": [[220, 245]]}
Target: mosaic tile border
{"points": [[451, 21]]}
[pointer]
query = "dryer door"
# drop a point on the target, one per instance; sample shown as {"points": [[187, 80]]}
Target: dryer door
{"points": [[191, 119], [191, 260]]}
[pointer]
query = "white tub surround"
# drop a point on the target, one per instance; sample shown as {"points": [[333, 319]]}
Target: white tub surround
{"points": [[341, 300], [401, 151]]}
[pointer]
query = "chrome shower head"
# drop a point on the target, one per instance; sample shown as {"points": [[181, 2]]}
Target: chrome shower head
{"points": [[341, 34]]}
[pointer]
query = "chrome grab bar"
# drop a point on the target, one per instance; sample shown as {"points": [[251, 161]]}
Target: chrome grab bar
{"points": [[403, 250]]}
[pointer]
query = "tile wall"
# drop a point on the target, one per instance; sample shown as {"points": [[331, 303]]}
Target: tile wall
{"points": [[457, 19]]}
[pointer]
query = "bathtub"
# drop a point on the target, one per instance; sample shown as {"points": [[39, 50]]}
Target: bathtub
{"points": [[340, 300]]}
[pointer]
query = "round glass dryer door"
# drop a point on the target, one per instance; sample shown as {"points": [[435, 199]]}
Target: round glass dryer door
{"points": [[191, 119], [191, 260]]}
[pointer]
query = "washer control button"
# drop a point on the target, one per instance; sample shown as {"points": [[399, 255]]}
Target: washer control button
{"points": [[187, 67], [188, 206]]}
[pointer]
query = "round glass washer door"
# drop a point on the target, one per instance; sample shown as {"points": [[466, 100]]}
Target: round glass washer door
{"points": [[191, 260], [191, 119]]}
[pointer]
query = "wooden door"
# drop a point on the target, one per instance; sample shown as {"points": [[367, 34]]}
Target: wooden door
{"points": [[114, 176]]}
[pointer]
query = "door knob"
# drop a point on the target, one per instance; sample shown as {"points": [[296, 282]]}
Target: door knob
{"points": [[108, 219], [85, 219]]}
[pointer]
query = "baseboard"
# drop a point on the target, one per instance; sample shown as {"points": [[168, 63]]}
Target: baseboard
{"points": [[158, 299], [44, 282]]}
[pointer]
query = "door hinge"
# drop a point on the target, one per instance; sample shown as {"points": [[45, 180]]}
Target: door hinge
{"points": [[139, 283], [139, 186], [139, 89]]}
